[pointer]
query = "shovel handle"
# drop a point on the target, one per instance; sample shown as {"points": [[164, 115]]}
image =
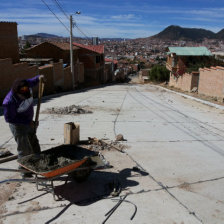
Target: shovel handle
{"points": [[40, 94]]}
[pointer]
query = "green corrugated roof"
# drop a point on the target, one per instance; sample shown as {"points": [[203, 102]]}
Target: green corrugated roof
{"points": [[190, 51]]}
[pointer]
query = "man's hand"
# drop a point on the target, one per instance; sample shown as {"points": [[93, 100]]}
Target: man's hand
{"points": [[42, 78], [34, 124]]}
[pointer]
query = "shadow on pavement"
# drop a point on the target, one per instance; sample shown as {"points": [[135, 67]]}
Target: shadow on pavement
{"points": [[99, 184]]}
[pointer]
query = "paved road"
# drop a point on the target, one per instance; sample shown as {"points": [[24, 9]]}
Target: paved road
{"points": [[179, 142]]}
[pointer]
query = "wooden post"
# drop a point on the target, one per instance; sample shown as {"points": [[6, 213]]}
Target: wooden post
{"points": [[71, 133]]}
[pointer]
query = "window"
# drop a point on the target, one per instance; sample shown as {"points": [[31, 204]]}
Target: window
{"points": [[97, 59]]}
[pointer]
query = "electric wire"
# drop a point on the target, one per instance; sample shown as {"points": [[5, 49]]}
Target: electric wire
{"points": [[66, 15], [61, 8], [81, 31], [55, 15]]}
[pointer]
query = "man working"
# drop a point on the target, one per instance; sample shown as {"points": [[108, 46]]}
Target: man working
{"points": [[18, 112]]}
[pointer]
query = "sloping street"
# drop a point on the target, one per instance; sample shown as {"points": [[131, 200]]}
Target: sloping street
{"points": [[175, 144]]}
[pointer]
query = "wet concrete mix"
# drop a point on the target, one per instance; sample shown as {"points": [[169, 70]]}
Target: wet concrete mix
{"points": [[56, 158], [69, 110]]}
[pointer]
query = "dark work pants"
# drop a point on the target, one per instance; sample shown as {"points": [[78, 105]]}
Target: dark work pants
{"points": [[26, 139]]}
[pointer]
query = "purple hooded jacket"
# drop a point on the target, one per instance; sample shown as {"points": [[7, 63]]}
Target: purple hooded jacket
{"points": [[16, 110]]}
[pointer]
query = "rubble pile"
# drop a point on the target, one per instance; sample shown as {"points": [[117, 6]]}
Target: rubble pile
{"points": [[100, 144], [69, 110]]}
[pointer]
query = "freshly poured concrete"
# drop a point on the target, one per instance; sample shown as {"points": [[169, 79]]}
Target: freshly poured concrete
{"points": [[179, 142]]}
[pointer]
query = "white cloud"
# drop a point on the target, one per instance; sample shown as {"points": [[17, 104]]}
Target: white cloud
{"points": [[123, 17]]}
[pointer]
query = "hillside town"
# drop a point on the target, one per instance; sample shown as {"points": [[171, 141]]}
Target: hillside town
{"points": [[110, 129], [147, 50]]}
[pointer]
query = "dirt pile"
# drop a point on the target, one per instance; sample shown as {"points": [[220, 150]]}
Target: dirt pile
{"points": [[69, 110]]}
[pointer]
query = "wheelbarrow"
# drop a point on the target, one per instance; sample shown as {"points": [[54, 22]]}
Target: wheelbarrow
{"points": [[82, 162]]}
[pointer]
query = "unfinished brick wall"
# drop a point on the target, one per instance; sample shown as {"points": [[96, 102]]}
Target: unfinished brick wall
{"points": [[108, 74], [185, 82], [10, 72], [67, 78], [49, 50], [45, 50], [211, 82], [9, 41], [56, 75], [79, 73], [48, 72]]}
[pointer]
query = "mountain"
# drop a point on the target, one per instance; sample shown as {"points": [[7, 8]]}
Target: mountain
{"points": [[179, 33], [42, 35], [113, 39], [220, 34]]}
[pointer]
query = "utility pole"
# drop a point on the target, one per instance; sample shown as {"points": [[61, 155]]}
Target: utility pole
{"points": [[71, 53]]}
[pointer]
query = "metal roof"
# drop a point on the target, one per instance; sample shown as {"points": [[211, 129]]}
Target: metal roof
{"points": [[190, 51]]}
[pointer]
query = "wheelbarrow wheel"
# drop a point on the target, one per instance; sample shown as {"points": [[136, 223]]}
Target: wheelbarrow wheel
{"points": [[81, 176]]}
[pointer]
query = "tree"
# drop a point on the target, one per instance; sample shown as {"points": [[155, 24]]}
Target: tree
{"points": [[159, 73], [27, 45]]}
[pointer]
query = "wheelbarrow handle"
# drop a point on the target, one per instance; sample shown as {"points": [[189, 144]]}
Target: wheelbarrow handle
{"points": [[14, 170]]}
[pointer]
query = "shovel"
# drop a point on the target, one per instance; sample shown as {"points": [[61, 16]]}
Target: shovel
{"points": [[40, 94]]}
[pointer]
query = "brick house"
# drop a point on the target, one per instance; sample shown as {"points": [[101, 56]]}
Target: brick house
{"points": [[182, 63], [9, 41], [92, 56], [54, 50]]}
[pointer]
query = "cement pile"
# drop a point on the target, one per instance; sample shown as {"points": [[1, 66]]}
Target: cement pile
{"points": [[44, 163], [56, 158], [69, 110]]}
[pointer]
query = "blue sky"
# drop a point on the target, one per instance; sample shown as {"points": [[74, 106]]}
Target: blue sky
{"points": [[117, 18]]}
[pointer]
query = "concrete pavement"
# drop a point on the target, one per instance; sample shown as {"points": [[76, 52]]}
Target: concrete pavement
{"points": [[179, 142]]}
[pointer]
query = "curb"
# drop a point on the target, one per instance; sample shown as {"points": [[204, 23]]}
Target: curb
{"points": [[192, 98]]}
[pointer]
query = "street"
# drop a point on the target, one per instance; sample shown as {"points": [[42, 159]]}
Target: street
{"points": [[177, 141]]}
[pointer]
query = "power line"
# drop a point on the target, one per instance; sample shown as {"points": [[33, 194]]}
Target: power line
{"points": [[61, 8], [81, 31], [55, 15], [66, 15]]}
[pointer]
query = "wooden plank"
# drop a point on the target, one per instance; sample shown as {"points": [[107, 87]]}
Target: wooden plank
{"points": [[8, 158]]}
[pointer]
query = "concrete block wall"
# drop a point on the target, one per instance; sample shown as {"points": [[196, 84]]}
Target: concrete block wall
{"points": [[211, 82]]}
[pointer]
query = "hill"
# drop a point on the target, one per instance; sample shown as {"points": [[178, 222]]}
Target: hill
{"points": [[220, 34], [179, 33], [42, 35]]}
